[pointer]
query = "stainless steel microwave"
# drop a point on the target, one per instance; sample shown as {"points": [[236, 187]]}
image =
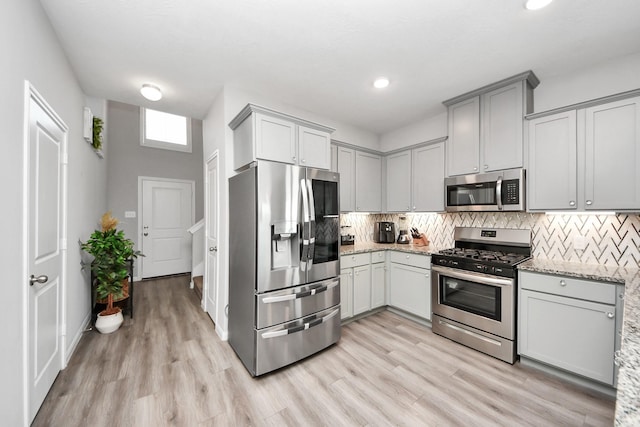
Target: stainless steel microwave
{"points": [[498, 191]]}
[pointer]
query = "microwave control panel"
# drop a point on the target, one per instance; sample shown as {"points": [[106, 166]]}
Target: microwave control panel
{"points": [[511, 192]]}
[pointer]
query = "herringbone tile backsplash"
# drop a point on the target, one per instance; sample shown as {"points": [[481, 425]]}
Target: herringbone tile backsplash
{"points": [[610, 239]]}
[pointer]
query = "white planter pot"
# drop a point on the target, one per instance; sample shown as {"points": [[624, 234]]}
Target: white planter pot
{"points": [[110, 323]]}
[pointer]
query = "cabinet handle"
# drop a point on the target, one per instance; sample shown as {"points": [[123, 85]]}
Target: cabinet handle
{"points": [[303, 161], [589, 202], [563, 283], [426, 275], [617, 358], [475, 168], [572, 203], [293, 158], [486, 167], [408, 256], [353, 258], [610, 315], [414, 208]]}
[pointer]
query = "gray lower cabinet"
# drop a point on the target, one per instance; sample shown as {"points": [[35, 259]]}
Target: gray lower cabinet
{"points": [[346, 293], [378, 279], [361, 289], [410, 283], [570, 324]]}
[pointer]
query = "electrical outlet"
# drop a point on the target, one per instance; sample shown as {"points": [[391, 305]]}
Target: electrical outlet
{"points": [[579, 243], [129, 214]]}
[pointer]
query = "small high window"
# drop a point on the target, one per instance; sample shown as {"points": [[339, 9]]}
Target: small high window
{"points": [[164, 130]]}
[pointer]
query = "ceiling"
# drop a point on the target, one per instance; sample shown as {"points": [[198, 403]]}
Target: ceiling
{"points": [[323, 55]]}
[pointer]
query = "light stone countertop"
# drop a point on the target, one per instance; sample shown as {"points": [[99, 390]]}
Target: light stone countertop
{"points": [[363, 247], [628, 393]]}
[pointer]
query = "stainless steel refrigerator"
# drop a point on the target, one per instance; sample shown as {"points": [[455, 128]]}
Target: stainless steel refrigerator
{"points": [[284, 286]]}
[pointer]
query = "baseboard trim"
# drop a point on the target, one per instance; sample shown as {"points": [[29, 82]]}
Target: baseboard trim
{"points": [[76, 339]]}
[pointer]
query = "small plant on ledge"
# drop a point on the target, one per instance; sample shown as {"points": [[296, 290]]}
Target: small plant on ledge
{"points": [[98, 124], [111, 251]]}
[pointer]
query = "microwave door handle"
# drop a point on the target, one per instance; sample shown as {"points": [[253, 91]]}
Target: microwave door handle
{"points": [[312, 224], [305, 224], [499, 193]]}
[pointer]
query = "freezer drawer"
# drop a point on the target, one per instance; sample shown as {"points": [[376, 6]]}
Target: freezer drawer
{"points": [[273, 308], [284, 344]]}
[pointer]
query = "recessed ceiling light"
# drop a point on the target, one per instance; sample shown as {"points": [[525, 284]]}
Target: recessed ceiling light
{"points": [[151, 92], [536, 4], [381, 82]]}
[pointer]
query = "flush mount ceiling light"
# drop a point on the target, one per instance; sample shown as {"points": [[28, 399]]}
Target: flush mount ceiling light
{"points": [[381, 83], [151, 92], [536, 4]]}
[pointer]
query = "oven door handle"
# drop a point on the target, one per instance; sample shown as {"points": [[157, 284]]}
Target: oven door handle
{"points": [[475, 277]]}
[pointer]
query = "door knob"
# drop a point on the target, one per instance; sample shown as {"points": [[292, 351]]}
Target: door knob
{"points": [[213, 249], [40, 279]]}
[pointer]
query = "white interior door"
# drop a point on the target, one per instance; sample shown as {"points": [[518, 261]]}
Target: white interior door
{"points": [[46, 139], [211, 230], [167, 214]]}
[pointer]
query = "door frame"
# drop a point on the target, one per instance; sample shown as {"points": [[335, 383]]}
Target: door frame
{"points": [[140, 260], [30, 92], [215, 157]]}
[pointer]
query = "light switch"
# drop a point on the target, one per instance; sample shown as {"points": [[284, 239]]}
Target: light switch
{"points": [[129, 214]]}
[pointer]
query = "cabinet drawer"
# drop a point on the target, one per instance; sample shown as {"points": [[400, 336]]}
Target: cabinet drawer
{"points": [[574, 288], [354, 260], [378, 257], [415, 260]]}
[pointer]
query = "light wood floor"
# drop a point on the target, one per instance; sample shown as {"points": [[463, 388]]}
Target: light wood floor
{"points": [[168, 367]]}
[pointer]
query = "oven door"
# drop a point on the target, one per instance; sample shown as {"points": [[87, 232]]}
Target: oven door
{"points": [[478, 300]]}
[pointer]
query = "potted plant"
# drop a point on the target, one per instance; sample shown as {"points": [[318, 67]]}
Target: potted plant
{"points": [[111, 251]]}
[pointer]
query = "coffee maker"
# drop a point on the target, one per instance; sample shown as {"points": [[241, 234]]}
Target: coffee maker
{"points": [[384, 232]]}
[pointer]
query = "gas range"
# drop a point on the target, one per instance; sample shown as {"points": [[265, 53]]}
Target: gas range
{"points": [[477, 307], [490, 251]]}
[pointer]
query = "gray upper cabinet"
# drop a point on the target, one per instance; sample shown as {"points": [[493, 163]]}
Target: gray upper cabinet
{"points": [[261, 133], [585, 158], [346, 167], [368, 189], [428, 178], [502, 115], [415, 179], [463, 149], [612, 156], [486, 126], [399, 182], [552, 171]]}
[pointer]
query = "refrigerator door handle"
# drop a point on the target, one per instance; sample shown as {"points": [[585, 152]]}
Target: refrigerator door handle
{"points": [[300, 328], [312, 225], [304, 256]]}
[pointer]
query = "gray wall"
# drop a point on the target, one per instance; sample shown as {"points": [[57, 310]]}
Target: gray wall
{"points": [[32, 52], [127, 160]]}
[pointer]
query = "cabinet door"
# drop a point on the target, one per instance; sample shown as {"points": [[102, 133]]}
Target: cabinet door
{"points": [[314, 148], [612, 139], [378, 290], [334, 158], [346, 293], [368, 182], [275, 139], [347, 171], [399, 182], [428, 178], [410, 289], [361, 289], [552, 173], [463, 146], [502, 137], [568, 333]]}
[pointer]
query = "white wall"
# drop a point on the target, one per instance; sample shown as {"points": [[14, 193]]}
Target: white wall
{"points": [[31, 52], [618, 75], [424, 130]]}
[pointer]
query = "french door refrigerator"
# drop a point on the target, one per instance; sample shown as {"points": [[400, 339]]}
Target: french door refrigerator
{"points": [[284, 287]]}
